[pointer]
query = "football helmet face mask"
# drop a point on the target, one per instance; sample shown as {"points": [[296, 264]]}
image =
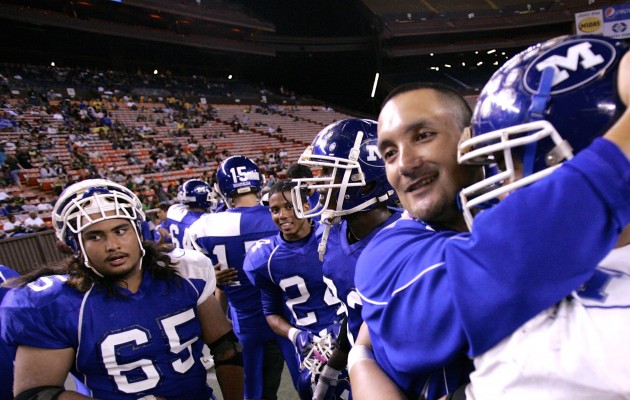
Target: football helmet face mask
{"points": [[543, 106], [353, 173], [321, 351], [91, 201], [197, 194], [237, 175]]}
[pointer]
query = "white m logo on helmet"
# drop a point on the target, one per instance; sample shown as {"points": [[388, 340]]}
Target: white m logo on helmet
{"points": [[373, 153], [571, 61]]}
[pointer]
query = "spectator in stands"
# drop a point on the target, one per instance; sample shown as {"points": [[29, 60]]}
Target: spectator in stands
{"points": [[59, 169], [15, 168], [13, 227], [23, 157], [34, 223], [59, 184], [149, 168], [43, 205], [3, 154], [33, 152], [4, 196], [46, 171], [13, 207], [160, 193], [149, 202], [172, 190], [138, 180]]}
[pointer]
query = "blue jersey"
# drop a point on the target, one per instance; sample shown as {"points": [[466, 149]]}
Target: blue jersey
{"points": [[179, 219], [466, 292], [289, 276], [127, 347], [339, 269], [7, 352], [225, 237]]}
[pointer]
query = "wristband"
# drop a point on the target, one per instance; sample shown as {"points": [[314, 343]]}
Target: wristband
{"points": [[329, 374], [293, 332], [357, 353]]}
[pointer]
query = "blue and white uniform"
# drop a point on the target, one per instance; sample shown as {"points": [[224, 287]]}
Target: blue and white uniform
{"points": [[340, 262], [127, 346], [7, 352], [577, 349], [289, 276], [444, 295], [225, 237], [179, 219]]}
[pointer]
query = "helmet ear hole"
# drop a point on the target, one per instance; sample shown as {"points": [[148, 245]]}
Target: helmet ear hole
{"points": [[368, 188]]}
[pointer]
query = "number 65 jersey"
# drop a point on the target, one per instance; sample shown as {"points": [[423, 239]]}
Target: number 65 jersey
{"points": [[129, 345]]}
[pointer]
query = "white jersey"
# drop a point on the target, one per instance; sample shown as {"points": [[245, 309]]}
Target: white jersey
{"points": [[579, 349]]}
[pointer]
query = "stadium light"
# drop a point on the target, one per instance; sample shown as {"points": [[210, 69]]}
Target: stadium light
{"points": [[374, 85]]}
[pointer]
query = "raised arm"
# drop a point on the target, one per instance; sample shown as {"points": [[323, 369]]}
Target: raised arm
{"points": [[619, 133]]}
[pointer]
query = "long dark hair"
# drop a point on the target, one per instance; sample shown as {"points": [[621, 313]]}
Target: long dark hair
{"points": [[156, 261]]}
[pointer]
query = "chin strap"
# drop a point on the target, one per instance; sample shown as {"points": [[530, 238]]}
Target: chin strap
{"points": [[328, 219], [540, 102]]}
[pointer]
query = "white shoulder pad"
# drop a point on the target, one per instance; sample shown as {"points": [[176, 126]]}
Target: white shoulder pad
{"points": [[194, 265], [177, 212]]}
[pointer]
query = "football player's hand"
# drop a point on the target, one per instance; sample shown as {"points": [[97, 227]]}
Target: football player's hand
{"points": [[303, 340], [163, 232], [327, 379], [225, 276]]}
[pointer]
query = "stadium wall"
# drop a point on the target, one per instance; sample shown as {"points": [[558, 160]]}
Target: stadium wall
{"points": [[29, 252]]}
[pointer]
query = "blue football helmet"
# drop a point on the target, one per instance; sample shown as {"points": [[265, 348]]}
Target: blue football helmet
{"points": [[237, 175], [354, 171], [197, 193], [544, 105], [90, 201], [352, 176]]}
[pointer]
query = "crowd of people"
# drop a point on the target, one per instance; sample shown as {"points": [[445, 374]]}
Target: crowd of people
{"points": [[435, 253], [58, 143]]}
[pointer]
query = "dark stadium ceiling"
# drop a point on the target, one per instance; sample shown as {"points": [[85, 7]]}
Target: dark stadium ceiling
{"points": [[330, 49]]}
